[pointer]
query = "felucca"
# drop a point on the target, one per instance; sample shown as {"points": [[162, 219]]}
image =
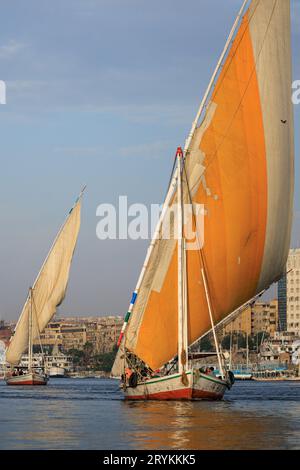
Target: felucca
{"points": [[238, 163], [46, 294]]}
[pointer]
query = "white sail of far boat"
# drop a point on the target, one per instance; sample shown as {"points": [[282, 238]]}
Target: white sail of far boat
{"points": [[238, 162], [46, 294]]}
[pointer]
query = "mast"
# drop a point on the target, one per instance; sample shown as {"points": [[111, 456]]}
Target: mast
{"points": [[185, 306], [188, 141], [182, 324], [38, 328], [30, 342]]}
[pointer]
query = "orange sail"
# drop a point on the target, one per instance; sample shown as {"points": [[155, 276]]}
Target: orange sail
{"points": [[239, 165]]}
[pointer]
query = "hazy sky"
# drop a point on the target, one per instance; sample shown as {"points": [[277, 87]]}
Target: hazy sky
{"points": [[98, 92]]}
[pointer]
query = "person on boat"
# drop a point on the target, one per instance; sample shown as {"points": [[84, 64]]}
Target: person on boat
{"points": [[128, 373], [145, 372], [156, 373]]}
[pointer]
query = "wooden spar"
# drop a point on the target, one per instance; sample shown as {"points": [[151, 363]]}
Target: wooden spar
{"points": [[185, 305], [38, 327], [30, 345], [181, 352]]}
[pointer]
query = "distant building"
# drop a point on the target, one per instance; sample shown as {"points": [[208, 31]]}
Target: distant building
{"points": [[73, 336], [282, 304], [282, 315], [264, 317], [52, 335], [279, 347], [108, 331], [74, 333], [261, 317], [5, 332], [242, 323], [293, 292]]}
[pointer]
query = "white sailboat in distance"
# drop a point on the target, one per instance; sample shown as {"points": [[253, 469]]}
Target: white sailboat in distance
{"points": [[46, 294]]}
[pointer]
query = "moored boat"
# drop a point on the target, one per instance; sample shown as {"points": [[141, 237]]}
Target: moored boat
{"points": [[58, 372], [58, 364], [29, 378]]}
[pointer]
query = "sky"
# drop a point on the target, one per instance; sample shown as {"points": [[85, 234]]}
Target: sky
{"points": [[99, 92]]}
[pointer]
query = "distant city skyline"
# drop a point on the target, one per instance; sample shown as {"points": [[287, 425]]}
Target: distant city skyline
{"points": [[99, 93]]}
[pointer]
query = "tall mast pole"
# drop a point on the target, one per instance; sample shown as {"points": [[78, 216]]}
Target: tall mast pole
{"points": [[186, 148], [181, 352], [185, 305], [30, 346]]}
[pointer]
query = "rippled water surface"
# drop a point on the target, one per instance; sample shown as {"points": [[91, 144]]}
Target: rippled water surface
{"points": [[91, 414]]}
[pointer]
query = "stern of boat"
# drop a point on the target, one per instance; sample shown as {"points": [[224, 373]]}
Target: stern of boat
{"points": [[208, 386]]}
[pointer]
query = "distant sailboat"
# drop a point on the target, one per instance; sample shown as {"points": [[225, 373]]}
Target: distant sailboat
{"points": [[46, 294], [238, 163]]}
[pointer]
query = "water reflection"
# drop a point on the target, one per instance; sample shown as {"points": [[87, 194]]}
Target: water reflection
{"points": [[38, 419], [204, 425], [91, 414]]}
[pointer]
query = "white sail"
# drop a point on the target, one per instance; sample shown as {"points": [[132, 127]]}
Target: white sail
{"points": [[49, 288]]}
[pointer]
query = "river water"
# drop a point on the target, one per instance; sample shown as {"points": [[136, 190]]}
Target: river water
{"points": [[91, 414]]}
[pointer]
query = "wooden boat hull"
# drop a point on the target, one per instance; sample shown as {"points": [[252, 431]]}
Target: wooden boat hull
{"points": [[31, 378], [198, 387]]}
